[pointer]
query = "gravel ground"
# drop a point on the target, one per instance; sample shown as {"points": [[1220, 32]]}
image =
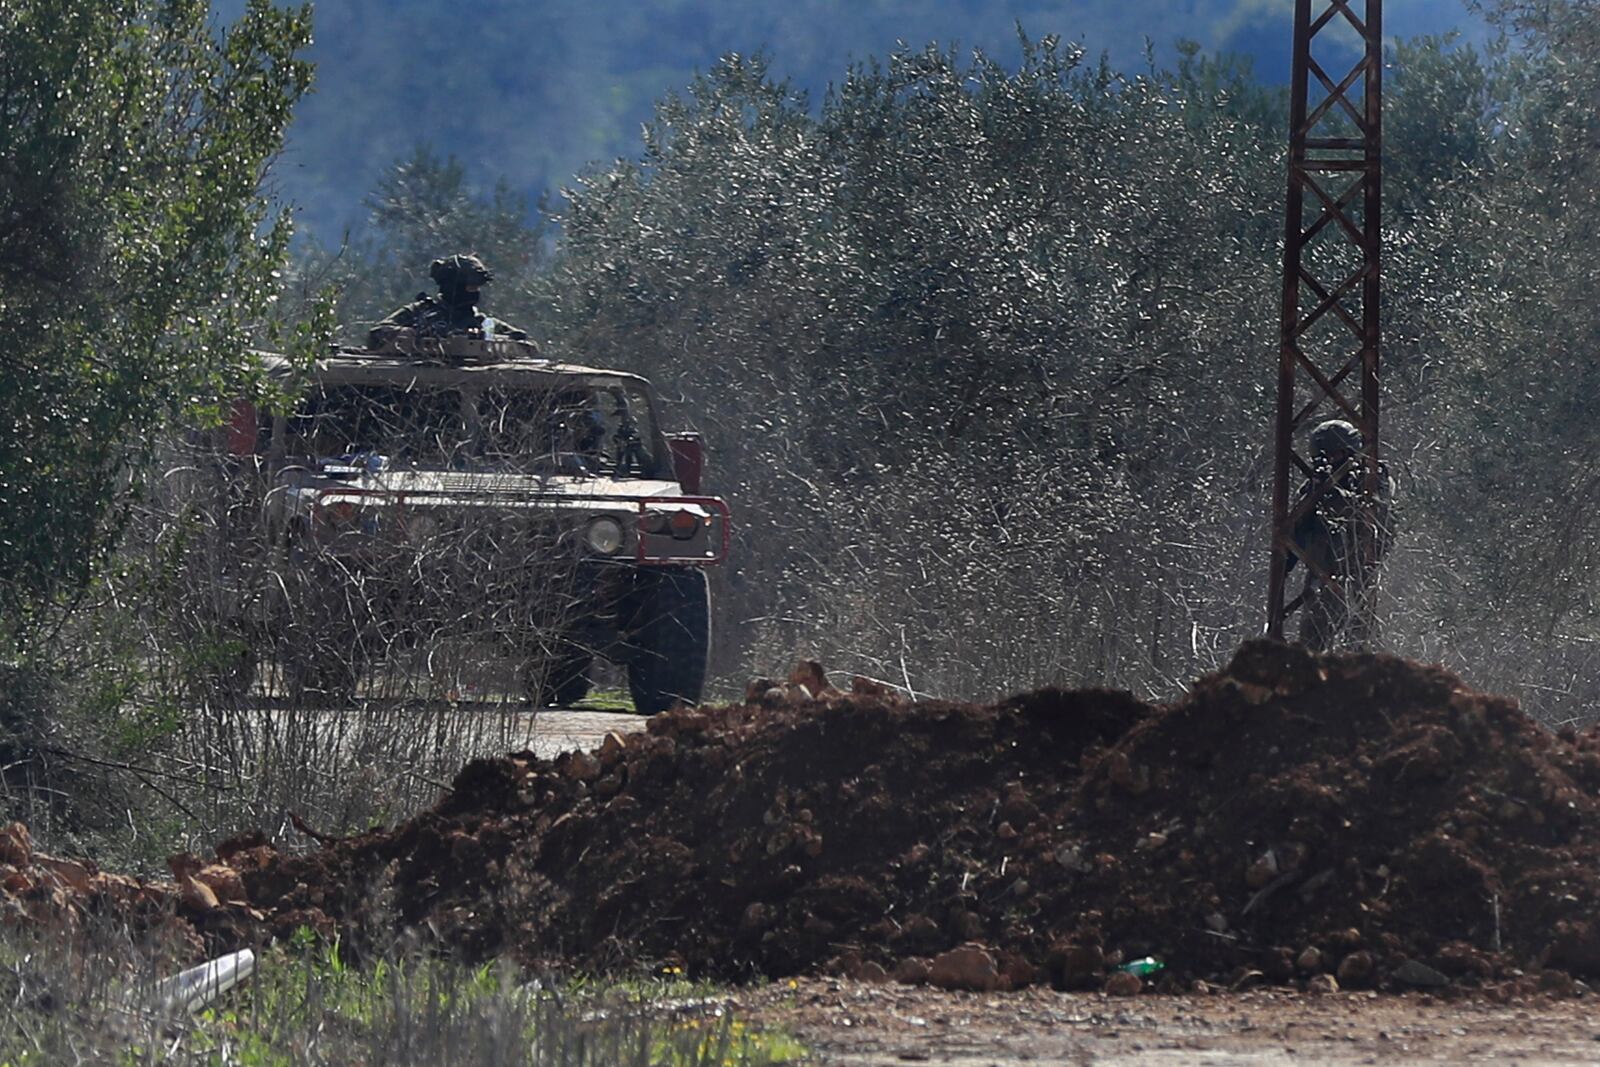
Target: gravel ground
{"points": [[853, 1023]]}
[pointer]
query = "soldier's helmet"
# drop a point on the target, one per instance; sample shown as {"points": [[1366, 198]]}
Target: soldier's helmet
{"points": [[459, 271], [1333, 437]]}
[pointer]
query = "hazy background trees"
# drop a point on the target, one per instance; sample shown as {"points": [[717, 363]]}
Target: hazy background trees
{"points": [[947, 336], [531, 93]]}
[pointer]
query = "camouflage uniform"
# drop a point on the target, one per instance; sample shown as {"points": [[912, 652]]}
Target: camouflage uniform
{"points": [[453, 311], [1332, 537]]}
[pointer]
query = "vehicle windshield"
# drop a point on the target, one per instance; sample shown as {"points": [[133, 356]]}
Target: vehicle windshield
{"points": [[409, 427], [578, 429]]}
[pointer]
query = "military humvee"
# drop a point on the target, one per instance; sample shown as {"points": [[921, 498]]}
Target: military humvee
{"points": [[469, 486]]}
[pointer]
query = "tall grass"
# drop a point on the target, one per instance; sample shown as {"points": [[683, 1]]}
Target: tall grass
{"points": [[89, 1000]]}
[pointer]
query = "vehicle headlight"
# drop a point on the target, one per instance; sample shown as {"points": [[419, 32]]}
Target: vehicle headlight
{"points": [[684, 525], [604, 536]]}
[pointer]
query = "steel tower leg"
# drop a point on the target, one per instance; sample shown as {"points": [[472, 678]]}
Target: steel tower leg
{"points": [[1328, 355]]}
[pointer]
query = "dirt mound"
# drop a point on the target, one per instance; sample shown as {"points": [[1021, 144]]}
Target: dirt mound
{"points": [[1367, 808], [734, 841], [1294, 815], [41, 890]]}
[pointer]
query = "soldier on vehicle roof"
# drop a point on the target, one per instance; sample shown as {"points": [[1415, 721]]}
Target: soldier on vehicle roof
{"points": [[461, 279], [1335, 539]]}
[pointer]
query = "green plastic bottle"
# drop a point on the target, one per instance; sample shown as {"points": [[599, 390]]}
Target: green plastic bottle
{"points": [[1143, 968]]}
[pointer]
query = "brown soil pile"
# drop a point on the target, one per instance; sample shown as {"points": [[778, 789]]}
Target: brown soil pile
{"points": [[1294, 815]]}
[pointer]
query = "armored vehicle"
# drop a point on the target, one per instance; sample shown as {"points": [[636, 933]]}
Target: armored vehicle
{"points": [[467, 487]]}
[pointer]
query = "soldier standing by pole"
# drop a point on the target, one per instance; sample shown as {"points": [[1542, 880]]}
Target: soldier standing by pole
{"points": [[1341, 538]]}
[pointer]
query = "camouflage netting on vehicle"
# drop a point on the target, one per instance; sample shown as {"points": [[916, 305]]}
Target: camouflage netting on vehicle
{"points": [[1294, 815]]}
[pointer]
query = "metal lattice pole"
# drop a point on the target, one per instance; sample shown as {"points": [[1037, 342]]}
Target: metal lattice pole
{"points": [[1328, 357]]}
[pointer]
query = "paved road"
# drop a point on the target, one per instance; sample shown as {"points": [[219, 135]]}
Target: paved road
{"points": [[551, 730], [427, 738]]}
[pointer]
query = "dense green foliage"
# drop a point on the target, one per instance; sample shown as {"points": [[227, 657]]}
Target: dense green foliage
{"points": [[136, 254]]}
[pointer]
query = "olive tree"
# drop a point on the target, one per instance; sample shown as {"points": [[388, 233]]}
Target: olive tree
{"points": [[949, 334], [137, 255], [984, 354]]}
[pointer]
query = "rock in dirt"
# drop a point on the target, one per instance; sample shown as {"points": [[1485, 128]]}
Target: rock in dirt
{"points": [[872, 972], [1557, 983], [581, 766], [612, 749], [755, 918], [1356, 969], [66, 874], [809, 676], [1122, 773], [196, 895], [1123, 984], [1420, 975], [223, 881], [971, 967], [1075, 966], [1263, 870], [911, 971], [1246, 978], [875, 690]]}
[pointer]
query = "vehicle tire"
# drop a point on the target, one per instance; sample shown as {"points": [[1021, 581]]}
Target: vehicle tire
{"points": [[671, 641], [318, 670], [327, 635], [230, 670], [559, 684]]}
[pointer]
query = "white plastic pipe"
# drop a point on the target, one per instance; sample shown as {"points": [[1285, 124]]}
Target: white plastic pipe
{"points": [[193, 989]]}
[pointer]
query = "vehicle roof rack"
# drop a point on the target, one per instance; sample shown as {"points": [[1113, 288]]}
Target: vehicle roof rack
{"points": [[456, 351]]}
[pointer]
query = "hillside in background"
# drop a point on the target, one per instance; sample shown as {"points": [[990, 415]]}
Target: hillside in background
{"points": [[531, 93]]}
